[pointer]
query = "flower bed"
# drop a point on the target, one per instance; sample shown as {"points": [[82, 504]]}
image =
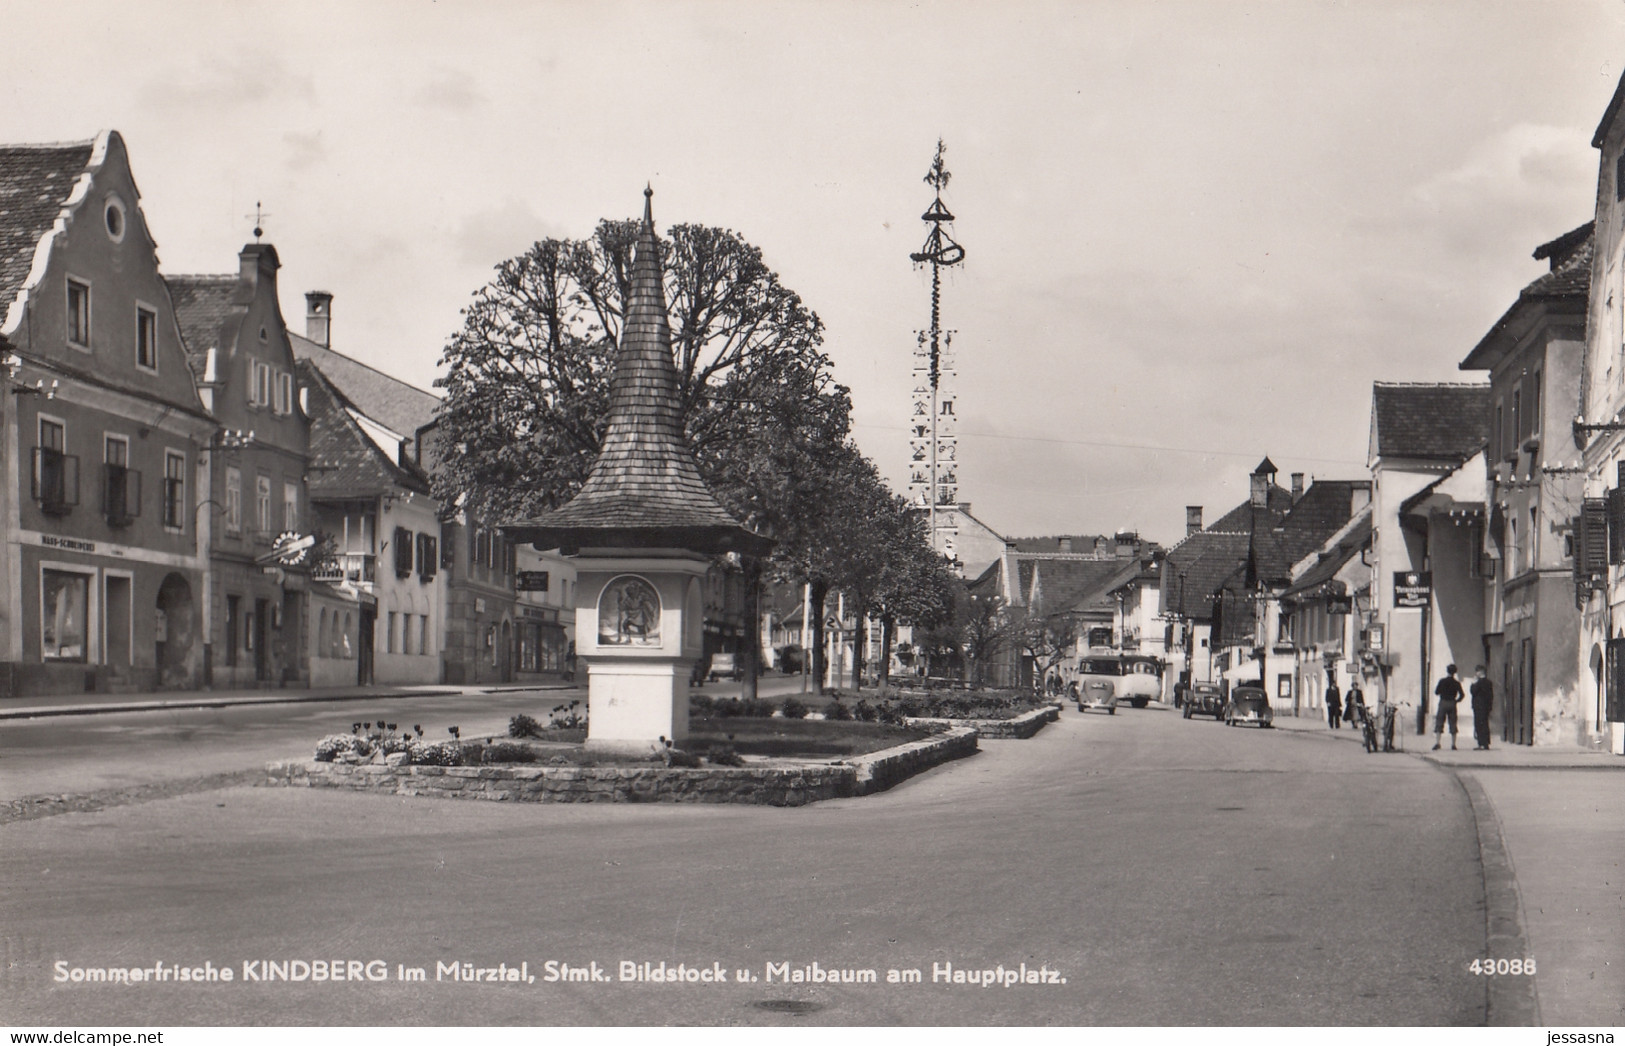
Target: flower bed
{"points": [[774, 785], [1017, 727]]}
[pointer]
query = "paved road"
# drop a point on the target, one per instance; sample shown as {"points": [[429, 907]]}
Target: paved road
{"points": [[78, 754], [1174, 872]]}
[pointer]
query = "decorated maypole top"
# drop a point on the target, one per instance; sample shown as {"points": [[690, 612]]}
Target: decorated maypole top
{"points": [[933, 478]]}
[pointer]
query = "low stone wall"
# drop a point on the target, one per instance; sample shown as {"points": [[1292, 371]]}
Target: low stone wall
{"points": [[769, 785], [1020, 727], [878, 771]]}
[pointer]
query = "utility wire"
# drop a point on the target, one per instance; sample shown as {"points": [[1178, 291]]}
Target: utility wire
{"points": [[1204, 451]]}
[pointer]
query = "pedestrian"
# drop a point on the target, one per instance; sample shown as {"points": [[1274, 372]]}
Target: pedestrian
{"points": [[1483, 692], [1334, 704], [1448, 692], [1352, 703]]}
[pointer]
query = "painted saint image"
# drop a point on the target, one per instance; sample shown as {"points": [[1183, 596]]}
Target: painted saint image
{"points": [[629, 613]]}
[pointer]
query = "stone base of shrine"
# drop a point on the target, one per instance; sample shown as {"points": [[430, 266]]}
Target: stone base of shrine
{"points": [[633, 704]]}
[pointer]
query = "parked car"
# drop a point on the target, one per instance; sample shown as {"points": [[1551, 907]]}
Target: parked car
{"points": [[1249, 704], [725, 666], [1204, 699], [1097, 683]]}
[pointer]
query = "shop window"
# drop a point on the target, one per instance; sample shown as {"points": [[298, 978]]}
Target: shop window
{"points": [[64, 598]]}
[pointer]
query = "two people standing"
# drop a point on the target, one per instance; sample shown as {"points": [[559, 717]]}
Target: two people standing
{"points": [[1449, 692]]}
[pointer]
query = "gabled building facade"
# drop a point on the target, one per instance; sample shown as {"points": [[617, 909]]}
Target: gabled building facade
{"points": [[1533, 484], [103, 438], [256, 602], [1600, 430], [370, 499], [1420, 434]]}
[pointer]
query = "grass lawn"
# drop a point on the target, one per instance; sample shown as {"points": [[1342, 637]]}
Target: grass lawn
{"points": [[810, 738]]}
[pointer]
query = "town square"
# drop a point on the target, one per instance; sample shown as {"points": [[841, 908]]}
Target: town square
{"points": [[802, 515]]}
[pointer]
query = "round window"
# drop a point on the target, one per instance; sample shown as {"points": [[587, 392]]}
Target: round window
{"points": [[114, 216]]}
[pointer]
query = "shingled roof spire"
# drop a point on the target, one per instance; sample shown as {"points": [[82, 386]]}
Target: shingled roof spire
{"points": [[645, 488]]}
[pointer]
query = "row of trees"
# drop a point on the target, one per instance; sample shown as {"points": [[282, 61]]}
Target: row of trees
{"points": [[527, 394]]}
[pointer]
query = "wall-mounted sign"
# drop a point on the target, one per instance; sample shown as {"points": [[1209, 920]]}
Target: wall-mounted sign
{"points": [[1374, 637], [1413, 589], [1339, 604], [532, 581]]}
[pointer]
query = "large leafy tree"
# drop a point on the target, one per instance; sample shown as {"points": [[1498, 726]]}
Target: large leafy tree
{"points": [[527, 383]]}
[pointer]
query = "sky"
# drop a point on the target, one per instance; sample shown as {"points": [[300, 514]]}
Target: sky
{"points": [[1195, 232]]}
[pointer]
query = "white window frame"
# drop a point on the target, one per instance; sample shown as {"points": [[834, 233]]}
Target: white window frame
{"points": [[262, 502], [70, 313], [284, 392], [144, 311], [171, 454], [234, 500]]}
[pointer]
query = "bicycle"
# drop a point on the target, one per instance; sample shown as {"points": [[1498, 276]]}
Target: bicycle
{"points": [[1368, 727]]}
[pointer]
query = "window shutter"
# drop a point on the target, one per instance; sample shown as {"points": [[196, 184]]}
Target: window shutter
{"points": [[1591, 553], [403, 552], [1615, 503], [1616, 681]]}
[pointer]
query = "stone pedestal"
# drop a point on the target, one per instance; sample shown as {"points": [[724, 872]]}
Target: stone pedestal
{"points": [[639, 631]]}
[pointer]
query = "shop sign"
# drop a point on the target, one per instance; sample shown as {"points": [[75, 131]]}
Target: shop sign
{"points": [[1413, 589], [1339, 604], [532, 581]]}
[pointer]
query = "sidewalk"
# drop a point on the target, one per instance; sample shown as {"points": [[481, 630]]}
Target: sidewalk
{"points": [[1553, 845], [93, 704], [1499, 756]]}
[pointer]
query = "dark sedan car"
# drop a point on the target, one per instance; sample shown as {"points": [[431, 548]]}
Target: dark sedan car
{"points": [[1204, 699], [1249, 704]]}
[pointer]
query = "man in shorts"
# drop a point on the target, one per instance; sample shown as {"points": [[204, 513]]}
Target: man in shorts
{"points": [[1449, 693]]}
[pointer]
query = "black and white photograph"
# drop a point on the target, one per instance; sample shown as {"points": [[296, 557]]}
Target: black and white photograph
{"points": [[867, 514]]}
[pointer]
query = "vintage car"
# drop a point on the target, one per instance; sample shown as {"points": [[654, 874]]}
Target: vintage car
{"points": [[724, 666], [1249, 704], [1141, 681], [1097, 682], [1204, 699]]}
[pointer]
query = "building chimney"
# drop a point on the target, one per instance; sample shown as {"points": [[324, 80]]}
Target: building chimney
{"points": [[319, 318], [1297, 485], [1126, 540], [1193, 519], [1066, 544]]}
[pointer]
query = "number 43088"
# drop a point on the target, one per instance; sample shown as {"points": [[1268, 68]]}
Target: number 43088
{"points": [[1494, 967]]}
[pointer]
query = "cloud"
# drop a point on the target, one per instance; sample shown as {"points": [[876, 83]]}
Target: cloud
{"points": [[488, 236], [1522, 178], [449, 89], [304, 149], [215, 83]]}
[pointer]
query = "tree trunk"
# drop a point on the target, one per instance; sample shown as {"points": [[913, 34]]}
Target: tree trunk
{"points": [[887, 627], [860, 639], [820, 591], [751, 650]]}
